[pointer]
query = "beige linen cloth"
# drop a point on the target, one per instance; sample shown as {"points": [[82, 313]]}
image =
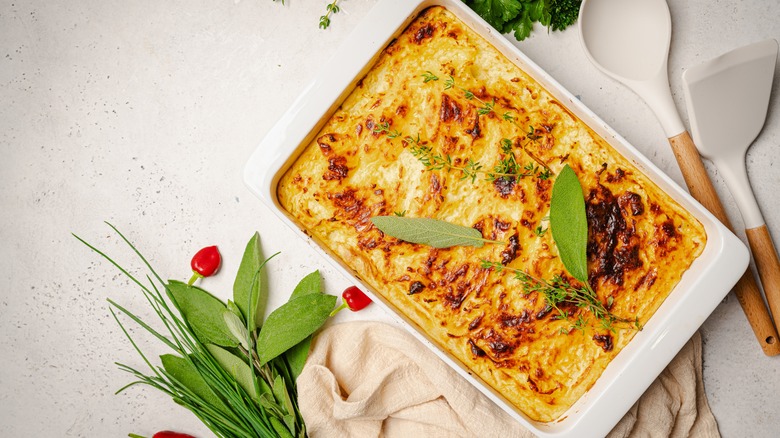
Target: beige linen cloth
{"points": [[370, 379]]}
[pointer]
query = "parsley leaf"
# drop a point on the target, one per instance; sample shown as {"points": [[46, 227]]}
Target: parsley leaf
{"points": [[496, 12]]}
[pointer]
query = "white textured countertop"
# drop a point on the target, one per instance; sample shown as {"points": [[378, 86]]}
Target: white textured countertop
{"points": [[142, 113]]}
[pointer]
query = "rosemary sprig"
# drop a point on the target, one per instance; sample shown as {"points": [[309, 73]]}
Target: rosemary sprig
{"points": [[558, 291], [332, 8]]}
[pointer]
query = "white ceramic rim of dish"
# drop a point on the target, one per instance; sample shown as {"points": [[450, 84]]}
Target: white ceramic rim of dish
{"points": [[701, 289]]}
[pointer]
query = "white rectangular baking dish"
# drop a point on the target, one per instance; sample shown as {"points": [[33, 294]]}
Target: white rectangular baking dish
{"points": [[702, 287]]}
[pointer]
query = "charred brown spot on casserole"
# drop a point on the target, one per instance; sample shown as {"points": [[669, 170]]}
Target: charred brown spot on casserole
{"points": [[450, 110], [505, 185], [613, 244], [640, 240], [476, 351], [423, 33], [476, 321], [474, 130], [337, 169], [631, 202], [416, 287], [371, 125], [510, 252], [604, 340]]}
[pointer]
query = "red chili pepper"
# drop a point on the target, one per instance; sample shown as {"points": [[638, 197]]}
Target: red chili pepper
{"points": [[354, 299], [169, 434], [164, 434], [205, 263]]}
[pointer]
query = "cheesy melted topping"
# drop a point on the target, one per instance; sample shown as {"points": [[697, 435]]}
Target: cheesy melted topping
{"points": [[640, 240]]}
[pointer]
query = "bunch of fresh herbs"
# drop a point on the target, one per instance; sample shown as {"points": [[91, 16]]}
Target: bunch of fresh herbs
{"points": [[231, 368], [518, 16]]}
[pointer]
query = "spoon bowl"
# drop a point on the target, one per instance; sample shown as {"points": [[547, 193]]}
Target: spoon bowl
{"points": [[629, 40], [641, 51]]}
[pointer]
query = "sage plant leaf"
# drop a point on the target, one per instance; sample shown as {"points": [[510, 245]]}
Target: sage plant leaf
{"points": [[309, 284], [186, 374], [569, 223], [236, 367], [236, 327], [250, 289], [296, 356], [432, 232], [203, 311], [291, 323]]}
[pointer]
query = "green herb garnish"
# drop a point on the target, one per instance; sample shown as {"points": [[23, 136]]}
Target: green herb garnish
{"points": [[429, 76], [431, 232], [558, 292], [332, 8], [485, 108], [569, 224]]}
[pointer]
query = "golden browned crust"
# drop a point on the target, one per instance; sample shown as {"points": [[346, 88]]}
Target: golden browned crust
{"points": [[361, 165]]}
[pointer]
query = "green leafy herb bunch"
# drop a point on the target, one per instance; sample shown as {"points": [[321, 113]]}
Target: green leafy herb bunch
{"points": [[518, 16], [228, 365]]}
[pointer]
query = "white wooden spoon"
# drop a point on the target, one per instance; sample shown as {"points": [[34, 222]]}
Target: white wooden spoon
{"points": [[629, 41]]}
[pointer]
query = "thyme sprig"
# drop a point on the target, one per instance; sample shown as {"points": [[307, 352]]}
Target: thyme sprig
{"points": [[433, 161], [428, 76], [489, 107], [559, 291], [331, 8], [507, 167], [485, 108]]}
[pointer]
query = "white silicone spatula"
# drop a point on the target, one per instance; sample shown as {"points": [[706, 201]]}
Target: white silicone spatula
{"points": [[727, 101], [629, 41]]}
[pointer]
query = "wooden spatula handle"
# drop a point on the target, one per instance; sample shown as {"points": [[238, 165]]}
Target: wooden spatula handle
{"points": [[767, 265], [699, 184]]}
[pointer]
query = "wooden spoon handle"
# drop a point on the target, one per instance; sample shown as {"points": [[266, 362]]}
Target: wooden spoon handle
{"points": [[767, 265], [701, 188]]}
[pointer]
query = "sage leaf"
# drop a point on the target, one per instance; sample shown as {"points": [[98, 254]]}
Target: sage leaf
{"points": [[268, 403], [250, 289], [569, 223], [281, 395], [187, 375], [237, 328], [296, 356], [280, 429], [431, 232], [233, 308], [309, 284], [289, 421], [236, 367], [291, 323], [203, 311]]}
